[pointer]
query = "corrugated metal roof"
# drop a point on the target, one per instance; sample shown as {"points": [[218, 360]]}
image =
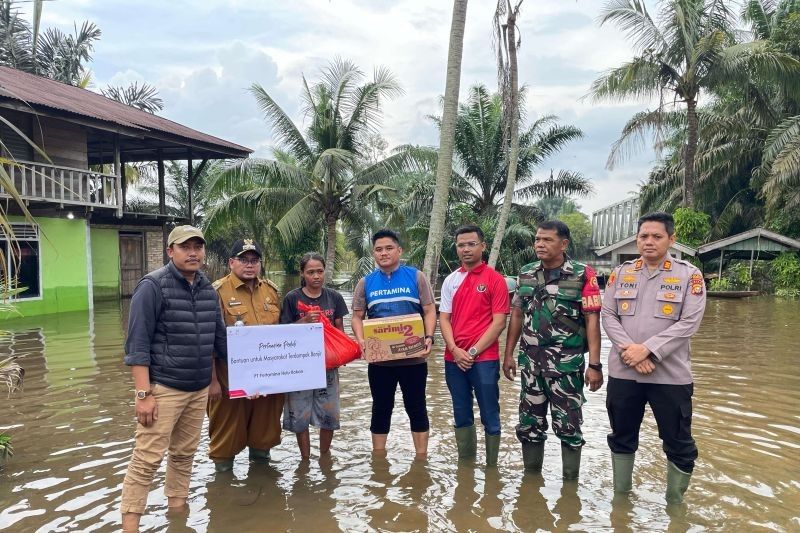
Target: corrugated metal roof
{"points": [[38, 91]]}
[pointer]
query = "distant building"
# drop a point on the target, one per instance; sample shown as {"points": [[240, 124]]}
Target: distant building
{"points": [[86, 243], [614, 235]]}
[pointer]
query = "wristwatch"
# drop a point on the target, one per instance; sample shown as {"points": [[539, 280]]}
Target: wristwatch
{"points": [[428, 337], [473, 352], [142, 394], [596, 366]]}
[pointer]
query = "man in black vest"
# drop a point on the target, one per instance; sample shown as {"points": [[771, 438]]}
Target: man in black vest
{"points": [[175, 325]]}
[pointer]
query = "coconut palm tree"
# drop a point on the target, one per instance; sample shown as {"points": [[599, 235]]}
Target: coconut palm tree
{"points": [[689, 48], [316, 179], [446, 139]]}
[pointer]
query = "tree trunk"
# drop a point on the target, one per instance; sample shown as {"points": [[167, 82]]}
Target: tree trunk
{"points": [[444, 165], [689, 154], [513, 154], [330, 251]]}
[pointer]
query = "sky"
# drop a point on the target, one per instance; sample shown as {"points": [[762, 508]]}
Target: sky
{"points": [[202, 55]]}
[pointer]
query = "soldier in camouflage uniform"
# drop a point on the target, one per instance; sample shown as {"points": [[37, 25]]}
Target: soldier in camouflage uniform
{"points": [[556, 312]]}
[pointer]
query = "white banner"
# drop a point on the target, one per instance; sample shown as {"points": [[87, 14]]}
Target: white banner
{"points": [[273, 359]]}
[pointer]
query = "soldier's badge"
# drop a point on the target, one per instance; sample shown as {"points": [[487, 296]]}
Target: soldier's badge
{"points": [[625, 306], [696, 284], [671, 280], [638, 264], [630, 270], [669, 295], [481, 288], [233, 302], [629, 279], [667, 265], [666, 309], [612, 278], [626, 293]]}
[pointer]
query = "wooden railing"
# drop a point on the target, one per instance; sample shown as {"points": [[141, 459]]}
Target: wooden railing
{"points": [[63, 185]]}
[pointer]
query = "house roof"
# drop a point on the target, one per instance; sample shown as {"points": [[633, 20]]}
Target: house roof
{"points": [[756, 239], [686, 250], [38, 92]]}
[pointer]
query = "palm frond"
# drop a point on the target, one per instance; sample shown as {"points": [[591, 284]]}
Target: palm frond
{"points": [[283, 128], [565, 183]]}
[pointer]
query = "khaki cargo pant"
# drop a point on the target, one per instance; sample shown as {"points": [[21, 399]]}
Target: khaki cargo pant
{"points": [[177, 430]]}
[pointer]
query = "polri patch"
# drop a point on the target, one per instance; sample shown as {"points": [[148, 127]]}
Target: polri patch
{"points": [[696, 284]]}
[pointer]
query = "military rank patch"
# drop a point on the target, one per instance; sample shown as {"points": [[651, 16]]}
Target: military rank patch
{"points": [[638, 264], [696, 284], [667, 265], [666, 309]]}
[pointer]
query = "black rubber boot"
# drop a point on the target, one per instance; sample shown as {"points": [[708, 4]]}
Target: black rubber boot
{"points": [[533, 456], [570, 462]]}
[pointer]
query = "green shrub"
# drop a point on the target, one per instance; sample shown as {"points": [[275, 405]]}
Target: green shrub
{"points": [[691, 227], [6, 450], [740, 277], [785, 272], [720, 284]]}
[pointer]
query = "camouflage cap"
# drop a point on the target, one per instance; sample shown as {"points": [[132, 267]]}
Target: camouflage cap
{"points": [[184, 233]]}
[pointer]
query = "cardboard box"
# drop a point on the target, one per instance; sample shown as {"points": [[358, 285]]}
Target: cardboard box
{"points": [[395, 337]]}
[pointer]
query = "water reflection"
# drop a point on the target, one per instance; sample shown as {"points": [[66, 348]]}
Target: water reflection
{"points": [[73, 430]]}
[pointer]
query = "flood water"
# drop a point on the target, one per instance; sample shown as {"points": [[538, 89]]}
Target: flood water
{"points": [[73, 426]]}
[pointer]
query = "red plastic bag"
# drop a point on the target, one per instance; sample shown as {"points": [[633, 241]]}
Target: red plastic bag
{"points": [[339, 348]]}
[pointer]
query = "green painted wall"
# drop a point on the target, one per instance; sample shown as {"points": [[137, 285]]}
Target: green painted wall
{"points": [[63, 261], [105, 263]]}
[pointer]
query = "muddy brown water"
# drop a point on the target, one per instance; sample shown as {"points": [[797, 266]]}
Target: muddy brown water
{"points": [[73, 425]]}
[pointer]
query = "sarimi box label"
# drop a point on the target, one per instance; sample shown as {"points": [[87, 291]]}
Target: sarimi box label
{"points": [[274, 359]]}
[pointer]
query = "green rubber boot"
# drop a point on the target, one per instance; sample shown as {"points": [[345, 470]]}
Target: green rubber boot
{"points": [[533, 456], [223, 465], [492, 449], [570, 462], [467, 441], [677, 483], [259, 456], [622, 465]]}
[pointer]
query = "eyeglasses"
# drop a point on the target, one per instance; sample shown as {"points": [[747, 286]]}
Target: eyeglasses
{"points": [[244, 261], [471, 244]]}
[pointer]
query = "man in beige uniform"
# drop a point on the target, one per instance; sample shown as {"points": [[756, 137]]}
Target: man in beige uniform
{"points": [[651, 308], [256, 423]]}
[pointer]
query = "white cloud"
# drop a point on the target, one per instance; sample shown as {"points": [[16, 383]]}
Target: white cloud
{"points": [[203, 55]]}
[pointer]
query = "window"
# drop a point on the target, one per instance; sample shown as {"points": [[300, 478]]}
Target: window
{"points": [[22, 261]]}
